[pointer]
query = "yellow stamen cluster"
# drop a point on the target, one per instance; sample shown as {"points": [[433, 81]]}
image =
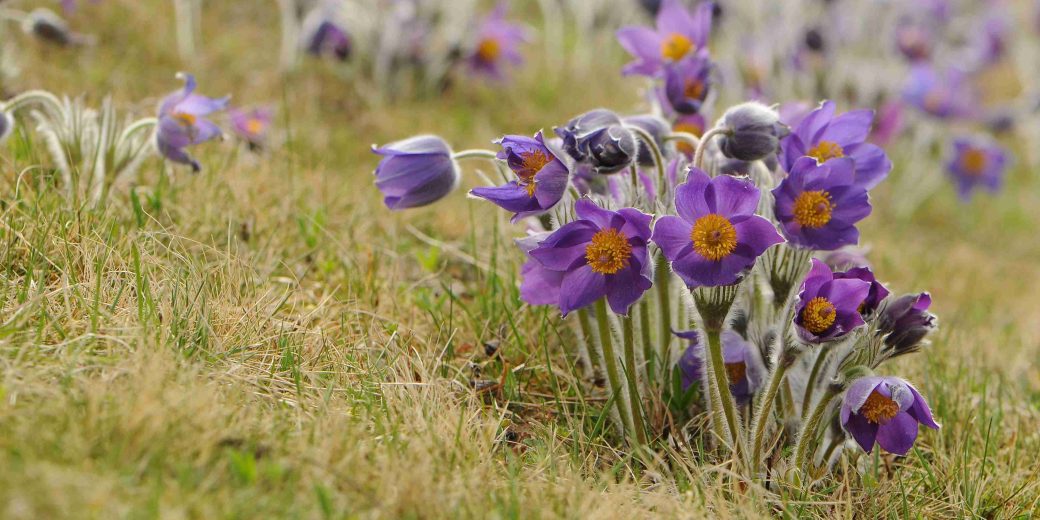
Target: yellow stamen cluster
{"points": [[812, 209], [608, 252], [531, 163], [185, 118], [825, 151], [736, 372], [489, 49], [714, 237], [254, 126], [973, 161], [819, 314], [878, 408], [675, 46], [689, 128]]}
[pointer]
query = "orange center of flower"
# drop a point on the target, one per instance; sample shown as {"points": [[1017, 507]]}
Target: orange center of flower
{"points": [[736, 372], [254, 126], [825, 151], [689, 128], [878, 408], [608, 252], [812, 209], [973, 161], [675, 46], [489, 49], [714, 237], [185, 119], [694, 89], [818, 315], [934, 101], [531, 163]]}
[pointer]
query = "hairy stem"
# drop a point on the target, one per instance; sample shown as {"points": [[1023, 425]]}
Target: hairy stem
{"points": [[634, 400], [610, 359], [807, 435]]}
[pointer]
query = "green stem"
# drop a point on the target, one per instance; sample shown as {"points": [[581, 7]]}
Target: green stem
{"points": [[655, 151], [474, 154], [664, 302], [805, 438], [611, 361], [135, 127], [764, 412], [634, 400], [810, 385], [648, 344], [41, 97], [698, 158], [721, 386], [591, 346]]}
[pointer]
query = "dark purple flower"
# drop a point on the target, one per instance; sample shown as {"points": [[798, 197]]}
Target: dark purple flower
{"points": [[415, 172], [599, 138], [743, 362], [818, 205], [976, 162], [323, 35], [828, 307], [943, 94], [251, 125], [497, 44], [678, 34], [183, 123], [824, 137], [602, 254], [906, 321], [753, 132], [717, 236], [877, 292], [541, 177], [687, 82], [887, 410]]}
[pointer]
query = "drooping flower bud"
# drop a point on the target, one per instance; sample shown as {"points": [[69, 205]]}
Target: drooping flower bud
{"points": [[415, 172], [906, 321], [600, 139], [753, 132]]}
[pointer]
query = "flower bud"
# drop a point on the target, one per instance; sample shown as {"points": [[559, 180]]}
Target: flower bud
{"points": [[600, 139], [415, 172], [906, 321], [48, 26], [753, 132]]}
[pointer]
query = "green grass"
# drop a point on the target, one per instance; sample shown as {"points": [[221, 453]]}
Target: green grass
{"points": [[266, 340]]}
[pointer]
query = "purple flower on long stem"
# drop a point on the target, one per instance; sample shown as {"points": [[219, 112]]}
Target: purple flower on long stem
{"points": [[885, 410], [183, 123], [743, 363], [415, 172], [976, 162], [251, 125], [875, 295], [828, 307], [818, 205], [599, 138], [678, 34], [498, 44], [541, 177], [943, 94], [686, 83], [602, 254], [824, 136], [717, 236]]}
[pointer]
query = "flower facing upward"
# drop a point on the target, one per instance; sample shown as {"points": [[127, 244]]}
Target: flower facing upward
{"points": [[716, 237], [679, 33], [818, 205], [182, 122], [497, 44], [885, 410], [828, 307], [415, 172], [976, 162], [541, 177], [824, 137], [251, 125], [602, 254]]}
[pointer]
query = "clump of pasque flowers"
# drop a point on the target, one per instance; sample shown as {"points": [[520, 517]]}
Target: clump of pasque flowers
{"points": [[642, 236]]}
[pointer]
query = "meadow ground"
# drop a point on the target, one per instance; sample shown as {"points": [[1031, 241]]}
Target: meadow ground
{"points": [[265, 339]]}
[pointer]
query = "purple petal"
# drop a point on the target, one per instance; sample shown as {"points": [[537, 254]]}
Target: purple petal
{"points": [[898, 434], [672, 235], [731, 197], [581, 287]]}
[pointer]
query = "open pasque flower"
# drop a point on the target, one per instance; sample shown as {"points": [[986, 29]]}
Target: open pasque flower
{"points": [[541, 177], [251, 125], [415, 172], [818, 204], [976, 162], [828, 307], [679, 33], [498, 44], [885, 410], [183, 122], [716, 237]]}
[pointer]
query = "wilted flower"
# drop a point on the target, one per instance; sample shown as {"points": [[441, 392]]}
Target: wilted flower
{"points": [[742, 360], [600, 139], [717, 236], [942, 94], [877, 292], [828, 307], [415, 172], [818, 205], [498, 43], [541, 177], [976, 162], [678, 34], [686, 83], [824, 137], [602, 254], [753, 132], [906, 321], [251, 125], [887, 410], [323, 35], [182, 122]]}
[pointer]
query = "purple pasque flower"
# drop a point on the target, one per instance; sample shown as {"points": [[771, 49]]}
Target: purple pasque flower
{"points": [[539, 285], [887, 410], [415, 172], [602, 254], [875, 295], [744, 366], [599, 138], [976, 162], [686, 83], [251, 125], [818, 205], [828, 307], [322, 33], [183, 123], [752, 132], [905, 321], [694, 124], [940, 93], [691, 363], [825, 136], [889, 123], [497, 44], [678, 34], [541, 177], [716, 237]]}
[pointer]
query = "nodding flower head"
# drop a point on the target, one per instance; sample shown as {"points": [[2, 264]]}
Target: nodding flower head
{"points": [[678, 34], [415, 172], [691, 363], [541, 177], [251, 125], [885, 410], [906, 321], [717, 236], [602, 254], [600, 139], [875, 296], [183, 122], [818, 205], [497, 44], [753, 132], [828, 308], [323, 35], [976, 162]]}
